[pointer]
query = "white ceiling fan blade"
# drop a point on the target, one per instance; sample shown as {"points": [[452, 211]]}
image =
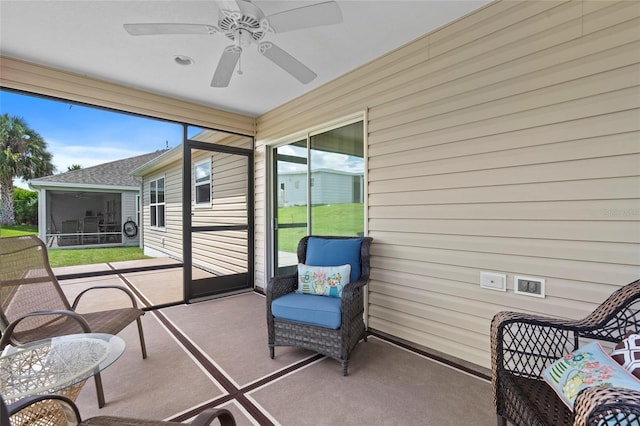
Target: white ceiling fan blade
{"points": [[315, 15], [161, 29], [225, 68], [249, 9], [287, 62]]}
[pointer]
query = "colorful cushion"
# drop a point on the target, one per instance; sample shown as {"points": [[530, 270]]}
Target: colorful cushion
{"points": [[627, 353], [306, 308], [323, 280], [587, 366], [334, 252]]}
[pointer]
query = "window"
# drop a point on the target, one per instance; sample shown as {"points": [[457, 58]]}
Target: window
{"points": [[138, 210], [202, 183], [156, 203]]}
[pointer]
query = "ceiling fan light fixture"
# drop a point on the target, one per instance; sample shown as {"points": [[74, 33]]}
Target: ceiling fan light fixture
{"points": [[183, 60]]}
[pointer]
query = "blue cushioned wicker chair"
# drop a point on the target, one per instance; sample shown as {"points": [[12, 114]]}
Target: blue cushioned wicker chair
{"points": [[332, 326]]}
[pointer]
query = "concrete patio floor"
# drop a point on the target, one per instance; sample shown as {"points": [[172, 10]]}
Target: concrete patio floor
{"points": [[214, 354], [157, 287]]}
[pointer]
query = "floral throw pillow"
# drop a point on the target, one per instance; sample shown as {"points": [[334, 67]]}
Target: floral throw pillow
{"points": [[323, 280], [587, 366]]}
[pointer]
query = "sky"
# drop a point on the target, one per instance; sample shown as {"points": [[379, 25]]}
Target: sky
{"points": [[88, 136]]}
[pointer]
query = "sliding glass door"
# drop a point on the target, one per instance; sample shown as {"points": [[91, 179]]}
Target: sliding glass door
{"points": [[290, 201], [318, 189]]}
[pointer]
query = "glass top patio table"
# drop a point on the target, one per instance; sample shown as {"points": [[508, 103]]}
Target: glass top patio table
{"points": [[51, 365]]}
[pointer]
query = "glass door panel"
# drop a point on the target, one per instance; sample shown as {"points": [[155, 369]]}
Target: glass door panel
{"points": [[337, 181], [290, 212]]}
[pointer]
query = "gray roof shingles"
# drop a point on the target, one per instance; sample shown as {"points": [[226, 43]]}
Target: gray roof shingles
{"points": [[114, 173]]}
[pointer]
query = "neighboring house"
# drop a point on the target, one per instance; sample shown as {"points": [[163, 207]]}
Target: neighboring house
{"points": [[329, 187], [505, 141], [90, 206]]}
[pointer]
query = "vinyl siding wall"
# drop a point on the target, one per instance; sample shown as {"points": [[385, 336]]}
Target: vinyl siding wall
{"points": [[506, 141], [221, 252]]}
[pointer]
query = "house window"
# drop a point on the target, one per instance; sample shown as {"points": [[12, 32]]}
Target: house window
{"points": [[156, 203], [138, 210], [202, 183]]}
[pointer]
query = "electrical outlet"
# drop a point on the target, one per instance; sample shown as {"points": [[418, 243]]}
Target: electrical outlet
{"points": [[493, 281], [529, 286]]}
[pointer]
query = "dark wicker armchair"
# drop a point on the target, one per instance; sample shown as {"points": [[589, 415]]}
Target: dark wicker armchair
{"points": [[522, 346], [49, 410], [34, 307], [335, 343]]}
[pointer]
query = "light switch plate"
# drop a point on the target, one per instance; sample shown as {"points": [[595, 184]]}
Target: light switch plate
{"points": [[493, 281]]}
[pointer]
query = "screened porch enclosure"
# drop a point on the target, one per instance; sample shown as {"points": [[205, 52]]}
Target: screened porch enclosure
{"points": [[81, 218]]}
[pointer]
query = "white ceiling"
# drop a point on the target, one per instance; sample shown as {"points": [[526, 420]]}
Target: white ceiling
{"points": [[87, 37]]}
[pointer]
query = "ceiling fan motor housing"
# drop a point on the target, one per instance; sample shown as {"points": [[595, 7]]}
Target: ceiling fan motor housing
{"points": [[242, 28]]}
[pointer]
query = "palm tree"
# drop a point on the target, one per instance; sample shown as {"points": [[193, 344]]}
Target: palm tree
{"points": [[23, 154]]}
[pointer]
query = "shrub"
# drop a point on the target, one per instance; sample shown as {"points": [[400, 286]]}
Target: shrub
{"points": [[25, 203]]}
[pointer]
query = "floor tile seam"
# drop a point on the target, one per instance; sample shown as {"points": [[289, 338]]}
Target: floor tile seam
{"points": [[264, 410], [218, 377], [199, 355], [191, 356], [218, 374], [136, 291], [283, 374], [285, 371], [197, 349], [252, 387]]}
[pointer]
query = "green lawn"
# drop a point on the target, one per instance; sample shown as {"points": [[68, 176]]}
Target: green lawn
{"points": [[87, 256], [79, 256], [17, 230], [330, 219]]}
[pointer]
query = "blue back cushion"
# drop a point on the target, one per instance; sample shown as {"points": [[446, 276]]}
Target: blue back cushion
{"points": [[335, 252]]}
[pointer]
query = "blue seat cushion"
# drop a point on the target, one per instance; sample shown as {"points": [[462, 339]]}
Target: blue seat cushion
{"points": [[335, 252], [308, 309]]}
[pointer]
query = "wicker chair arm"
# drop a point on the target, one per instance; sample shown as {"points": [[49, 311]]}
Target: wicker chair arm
{"points": [[281, 285], [349, 290], [206, 417], [597, 405], [125, 290], [501, 319], [8, 332]]}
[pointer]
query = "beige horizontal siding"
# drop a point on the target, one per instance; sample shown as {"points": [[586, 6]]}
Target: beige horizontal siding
{"points": [[506, 141], [222, 252]]}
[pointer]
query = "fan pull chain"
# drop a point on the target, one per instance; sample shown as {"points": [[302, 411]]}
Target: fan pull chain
{"points": [[239, 44]]}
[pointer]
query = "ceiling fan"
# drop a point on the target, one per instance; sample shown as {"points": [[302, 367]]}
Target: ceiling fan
{"points": [[249, 25]]}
